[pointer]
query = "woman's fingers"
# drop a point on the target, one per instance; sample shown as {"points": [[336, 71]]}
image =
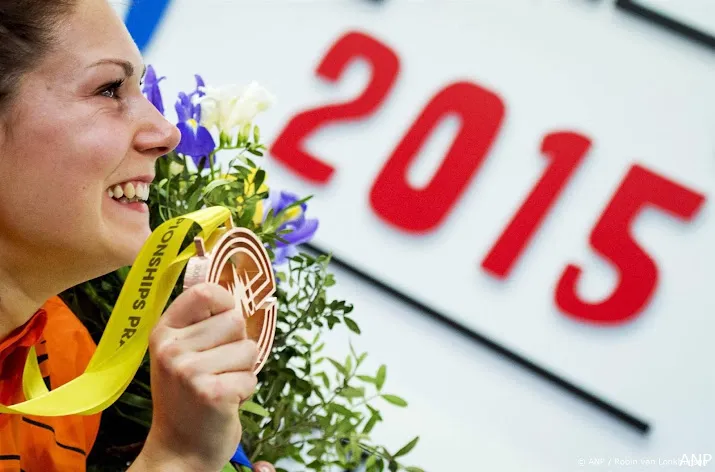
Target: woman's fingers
{"points": [[233, 357], [263, 467], [217, 330], [227, 389], [197, 304]]}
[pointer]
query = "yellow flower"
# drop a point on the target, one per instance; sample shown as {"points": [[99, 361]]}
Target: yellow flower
{"points": [[292, 214]]}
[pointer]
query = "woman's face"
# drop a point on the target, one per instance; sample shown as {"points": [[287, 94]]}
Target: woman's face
{"points": [[79, 128]]}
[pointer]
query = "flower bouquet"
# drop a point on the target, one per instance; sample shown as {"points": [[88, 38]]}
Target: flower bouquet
{"points": [[309, 412]]}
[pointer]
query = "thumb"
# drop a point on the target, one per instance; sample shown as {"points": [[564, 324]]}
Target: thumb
{"points": [[263, 467]]}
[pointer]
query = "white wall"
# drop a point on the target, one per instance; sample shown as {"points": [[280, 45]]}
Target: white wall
{"points": [[643, 95]]}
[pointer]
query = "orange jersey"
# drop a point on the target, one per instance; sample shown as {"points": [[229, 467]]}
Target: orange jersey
{"points": [[64, 348]]}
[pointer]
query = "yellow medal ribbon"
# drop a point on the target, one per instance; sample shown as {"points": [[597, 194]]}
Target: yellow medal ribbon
{"points": [[126, 337]]}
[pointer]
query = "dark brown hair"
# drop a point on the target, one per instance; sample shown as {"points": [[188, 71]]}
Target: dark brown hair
{"points": [[27, 32]]}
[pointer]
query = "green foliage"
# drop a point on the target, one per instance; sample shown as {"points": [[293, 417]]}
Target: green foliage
{"points": [[316, 410]]}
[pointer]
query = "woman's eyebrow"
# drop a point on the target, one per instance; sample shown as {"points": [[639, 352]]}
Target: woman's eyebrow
{"points": [[126, 65]]}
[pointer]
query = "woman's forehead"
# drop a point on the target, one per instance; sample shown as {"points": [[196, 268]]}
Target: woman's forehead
{"points": [[93, 33]]}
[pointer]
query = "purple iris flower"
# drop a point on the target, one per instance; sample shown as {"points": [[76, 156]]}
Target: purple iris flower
{"points": [[196, 141], [301, 228], [151, 89]]}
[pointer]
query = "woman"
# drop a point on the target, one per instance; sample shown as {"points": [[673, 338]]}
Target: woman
{"points": [[74, 124]]}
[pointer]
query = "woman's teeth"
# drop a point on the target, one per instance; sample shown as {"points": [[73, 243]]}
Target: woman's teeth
{"points": [[130, 192]]}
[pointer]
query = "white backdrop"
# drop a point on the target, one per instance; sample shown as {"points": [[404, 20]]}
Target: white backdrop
{"points": [[641, 94]]}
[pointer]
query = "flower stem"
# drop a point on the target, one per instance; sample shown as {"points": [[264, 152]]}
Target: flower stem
{"points": [[211, 164]]}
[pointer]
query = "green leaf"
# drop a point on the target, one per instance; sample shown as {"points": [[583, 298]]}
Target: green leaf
{"points": [[337, 408], [394, 399], [123, 273], [348, 364], [370, 424], [217, 183], [317, 451], [352, 392], [407, 447], [249, 424], [338, 366], [352, 325], [329, 280], [414, 469], [193, 200], [303, 386], [258, 180], [368, 379], [228, 468], [135, 401], [254, 408], [325, 379], [143, 418], [309, 260], [380, 377]]}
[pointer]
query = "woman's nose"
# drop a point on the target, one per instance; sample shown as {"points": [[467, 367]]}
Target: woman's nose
{"points": [[156, 136]]}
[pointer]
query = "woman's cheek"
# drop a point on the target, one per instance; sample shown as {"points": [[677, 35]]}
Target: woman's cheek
{"points": [[104, 150]]}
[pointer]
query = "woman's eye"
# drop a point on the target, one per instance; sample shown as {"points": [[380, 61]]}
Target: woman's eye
{"points": [[111, 90]]}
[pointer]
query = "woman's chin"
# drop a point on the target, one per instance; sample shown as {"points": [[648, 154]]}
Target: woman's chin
{"points": [[136, 244], [126, 243], [127, 227]]}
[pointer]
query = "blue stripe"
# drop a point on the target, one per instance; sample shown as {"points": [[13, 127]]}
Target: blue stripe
{"points": [[241, 458], [144, 18]]}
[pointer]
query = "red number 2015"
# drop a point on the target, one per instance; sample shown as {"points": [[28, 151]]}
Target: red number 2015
{"points": [[481, 113]]}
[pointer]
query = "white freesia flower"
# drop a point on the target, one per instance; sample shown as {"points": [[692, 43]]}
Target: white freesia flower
{"points": [[231, 106], [175, 168]]}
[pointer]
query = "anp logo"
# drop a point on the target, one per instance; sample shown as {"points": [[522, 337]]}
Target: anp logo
{"points": [[143, 19]]}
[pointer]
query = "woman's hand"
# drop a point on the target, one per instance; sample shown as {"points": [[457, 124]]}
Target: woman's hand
{"points": [[201, 370], [263, 467]]}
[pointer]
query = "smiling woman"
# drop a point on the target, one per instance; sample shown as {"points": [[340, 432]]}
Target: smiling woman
{"points": [[78, 145]]}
